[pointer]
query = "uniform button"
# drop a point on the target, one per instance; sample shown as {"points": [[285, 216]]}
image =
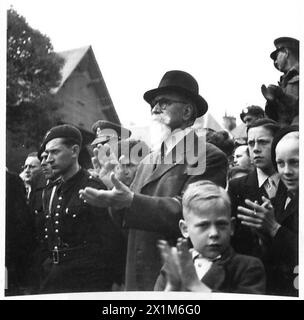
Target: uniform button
{"points": [[60, 198], [56, 230], [46, 229], [36, 211], [58, 207], [46, 236], [56, 222], [55, 248], [67, 210], [57, 214], [74, 215], [47, 216]]}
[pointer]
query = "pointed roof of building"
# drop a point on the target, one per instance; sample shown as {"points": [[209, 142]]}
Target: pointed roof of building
{"points": [[208, 121], [240, 131], [71, 60]]}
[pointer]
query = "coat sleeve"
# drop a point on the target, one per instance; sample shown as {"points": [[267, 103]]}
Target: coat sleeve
{"points": [[284, 246], [251, 279], [162, 214]]}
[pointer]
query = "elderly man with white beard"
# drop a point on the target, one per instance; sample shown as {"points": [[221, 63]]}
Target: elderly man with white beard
{"points": [[151, 207]]}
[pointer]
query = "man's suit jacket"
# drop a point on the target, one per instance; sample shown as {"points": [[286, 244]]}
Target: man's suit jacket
{"points": [[282, 253], [245, 241], [156, 208], [233, 273]]}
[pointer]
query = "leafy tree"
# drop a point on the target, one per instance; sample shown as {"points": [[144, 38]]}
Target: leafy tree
{"points": [[33, 70]]}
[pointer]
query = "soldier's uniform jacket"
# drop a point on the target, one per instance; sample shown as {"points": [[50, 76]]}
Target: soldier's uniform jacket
{"points": [[289, 82], [285, 108], [81, 245]]}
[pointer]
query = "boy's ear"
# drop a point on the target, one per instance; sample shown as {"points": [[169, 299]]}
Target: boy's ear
{"points": [[183, 228], [233, 221]]}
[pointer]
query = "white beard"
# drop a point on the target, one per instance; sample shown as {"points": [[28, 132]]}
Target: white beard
{"points": [[159, 131]]}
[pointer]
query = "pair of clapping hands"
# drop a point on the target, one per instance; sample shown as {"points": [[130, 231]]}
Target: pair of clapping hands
{"points": [[118, 194], [105, 162], [180, 271], [260, 218]]}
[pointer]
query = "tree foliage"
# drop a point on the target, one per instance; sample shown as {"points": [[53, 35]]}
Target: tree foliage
{"points": [[33, 70]]}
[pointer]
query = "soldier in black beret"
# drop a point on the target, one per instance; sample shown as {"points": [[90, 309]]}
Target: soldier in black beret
{"points": [[81, 246], [283, 100], [251, 113]]}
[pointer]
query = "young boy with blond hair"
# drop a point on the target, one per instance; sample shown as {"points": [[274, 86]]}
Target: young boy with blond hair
{"points": [[211, 264]]}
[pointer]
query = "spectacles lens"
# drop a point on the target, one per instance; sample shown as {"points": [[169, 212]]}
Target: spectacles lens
{"points": [[163, 103]]}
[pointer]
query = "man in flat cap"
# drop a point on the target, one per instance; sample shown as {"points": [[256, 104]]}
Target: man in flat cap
{"points": [[152, 205], [283, 100], [251, 113], [81, 250]]}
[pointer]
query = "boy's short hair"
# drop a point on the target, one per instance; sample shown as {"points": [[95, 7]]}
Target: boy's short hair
{"points": [[203, 191], [267, 124]]}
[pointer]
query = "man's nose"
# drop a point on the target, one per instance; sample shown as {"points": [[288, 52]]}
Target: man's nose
{"points": [[49, 159], [156, 109], [256, 148], [287, 169]]}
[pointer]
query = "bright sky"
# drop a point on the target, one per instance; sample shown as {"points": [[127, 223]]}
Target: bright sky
{"points": [[225, 45]]}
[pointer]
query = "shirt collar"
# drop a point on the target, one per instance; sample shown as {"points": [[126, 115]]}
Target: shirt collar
{"points": [[65, 185], [175, 137], [262, 177], [197, 255]]}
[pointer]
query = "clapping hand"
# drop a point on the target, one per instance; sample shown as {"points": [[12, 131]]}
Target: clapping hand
{"points": [[259, 217], [181, 273], [104, 162]]}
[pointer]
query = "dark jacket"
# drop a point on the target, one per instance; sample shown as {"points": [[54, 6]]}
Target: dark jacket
{"points": [[82, 245], [233, 273], [244, 240], [281, 257], [19, 235], [156, 208]]}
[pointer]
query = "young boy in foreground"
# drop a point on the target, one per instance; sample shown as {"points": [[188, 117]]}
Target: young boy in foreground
{"points": [[211, 265]]}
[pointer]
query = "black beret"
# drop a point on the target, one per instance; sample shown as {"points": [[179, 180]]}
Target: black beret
{"points": [[252, 110], [104, 131], [62, 131]]}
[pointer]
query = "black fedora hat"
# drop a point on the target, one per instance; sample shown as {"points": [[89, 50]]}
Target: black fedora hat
{"points": [[180, 82]]}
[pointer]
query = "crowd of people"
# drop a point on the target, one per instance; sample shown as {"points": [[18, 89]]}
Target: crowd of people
{"points": [[197, 212]]}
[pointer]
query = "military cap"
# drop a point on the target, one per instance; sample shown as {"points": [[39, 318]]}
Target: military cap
{"points": [[106, 130], [252, 110], [62, 131], [284, 42], [180, 82]]}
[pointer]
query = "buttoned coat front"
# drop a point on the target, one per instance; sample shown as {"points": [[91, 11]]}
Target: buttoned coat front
{"points": [[88, 239], [156, 208]]}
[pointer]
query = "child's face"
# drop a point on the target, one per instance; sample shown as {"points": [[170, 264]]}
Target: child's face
{"points": [[209, 229]]}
